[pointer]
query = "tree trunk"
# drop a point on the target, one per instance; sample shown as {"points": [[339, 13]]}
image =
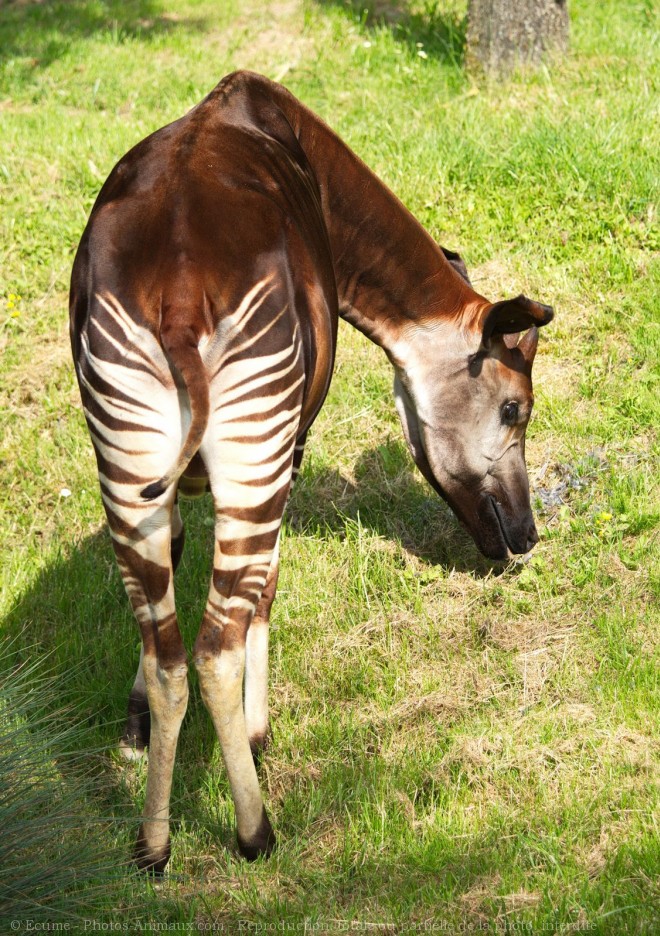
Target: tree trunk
{"points": [[505, 33]]}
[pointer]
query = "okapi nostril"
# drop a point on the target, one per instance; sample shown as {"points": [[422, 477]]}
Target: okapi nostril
{"points": [[532, 537]]}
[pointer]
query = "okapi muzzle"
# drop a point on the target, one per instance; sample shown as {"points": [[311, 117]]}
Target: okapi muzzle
{"points": [[204, 305]]}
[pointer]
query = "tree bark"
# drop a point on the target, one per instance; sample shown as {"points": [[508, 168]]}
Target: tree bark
{"points": [[505, 33]]}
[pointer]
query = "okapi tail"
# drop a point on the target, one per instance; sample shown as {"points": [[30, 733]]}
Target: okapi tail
{"points": [[182, 349]]}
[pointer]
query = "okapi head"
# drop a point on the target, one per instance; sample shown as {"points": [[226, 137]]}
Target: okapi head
{"points": [[463, 390]]}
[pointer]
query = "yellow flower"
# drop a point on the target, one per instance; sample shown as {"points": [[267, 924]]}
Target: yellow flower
{"points": [[12, 300]]}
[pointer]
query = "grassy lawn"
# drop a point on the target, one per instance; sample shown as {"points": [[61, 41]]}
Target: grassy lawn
{"points": [[453, 743]]}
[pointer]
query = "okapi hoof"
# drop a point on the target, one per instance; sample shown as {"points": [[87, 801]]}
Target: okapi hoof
{"points": [[138, 728], [149, 860], [258, 746], [261, 844]]}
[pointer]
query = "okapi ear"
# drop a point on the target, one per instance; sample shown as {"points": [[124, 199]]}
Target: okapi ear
{"points": [[456, 261], [513, 315], [512, 339], [528, 344]]}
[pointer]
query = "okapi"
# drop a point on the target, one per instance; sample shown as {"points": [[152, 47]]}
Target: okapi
{"points": [[204, 303]]}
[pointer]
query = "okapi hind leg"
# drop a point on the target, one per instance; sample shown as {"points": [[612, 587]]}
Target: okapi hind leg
{"points": [[137, 729], [256, 666], [244, 573], [248, 450], [219, 654], [256, 646], [144, 558]]}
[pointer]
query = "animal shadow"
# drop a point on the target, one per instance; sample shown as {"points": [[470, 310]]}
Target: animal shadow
{"points": [[388, 497], [45, 32], [76, 615]]}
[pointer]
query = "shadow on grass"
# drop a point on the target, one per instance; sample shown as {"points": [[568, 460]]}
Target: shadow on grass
{"points": [[44, 31], [438, 33], [76, 617], [77, 608], [77, 612], [390, 499]]}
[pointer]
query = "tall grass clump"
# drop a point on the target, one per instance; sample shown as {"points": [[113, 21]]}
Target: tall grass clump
{"points": [[56, 853]]}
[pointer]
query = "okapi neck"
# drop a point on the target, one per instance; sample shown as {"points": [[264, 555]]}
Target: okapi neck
{"points": [[389, 271]]}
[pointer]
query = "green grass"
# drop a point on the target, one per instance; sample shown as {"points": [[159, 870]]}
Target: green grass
{"points": [[453, 744], [61, 849]]}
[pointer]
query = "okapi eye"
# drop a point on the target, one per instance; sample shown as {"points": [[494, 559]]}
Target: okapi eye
{"points": [[510, 414]]}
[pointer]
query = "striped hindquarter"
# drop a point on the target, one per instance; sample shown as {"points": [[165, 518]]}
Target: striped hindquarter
{"points": [[138, 413]]}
